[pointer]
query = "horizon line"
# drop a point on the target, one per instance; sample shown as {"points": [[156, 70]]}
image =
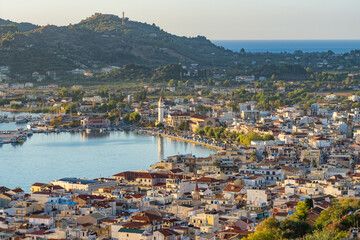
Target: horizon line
{"points": [[285, 39]]}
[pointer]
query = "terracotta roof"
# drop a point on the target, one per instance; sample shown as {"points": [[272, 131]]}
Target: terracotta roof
{"points": [[90, 197], [17, 190], [4, 189], [41, 232], [281, 214], [198, 116], [37, 184], [135, 225], [291, 203], [137, 195], [233, 188], [207, 180], [146, 217], [40, 216], [167, 232]]}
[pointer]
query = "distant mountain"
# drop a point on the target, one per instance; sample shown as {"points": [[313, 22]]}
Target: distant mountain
{"points": [[102, 40], [22, 27]]}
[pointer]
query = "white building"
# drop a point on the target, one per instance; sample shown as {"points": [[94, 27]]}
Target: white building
{"points": [[257, 197], [83, 185], [41, 220], [161, 107]]}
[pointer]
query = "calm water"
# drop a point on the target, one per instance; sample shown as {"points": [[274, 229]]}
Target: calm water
{"points": [[46, 157], [278, 46], [13, 125]]}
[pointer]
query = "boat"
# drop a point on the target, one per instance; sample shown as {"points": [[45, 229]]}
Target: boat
{"points": [[88, 130], [20, 121]]}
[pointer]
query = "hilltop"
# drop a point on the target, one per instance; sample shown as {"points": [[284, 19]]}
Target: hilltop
{"points": [[97, 41], [22, 27]]}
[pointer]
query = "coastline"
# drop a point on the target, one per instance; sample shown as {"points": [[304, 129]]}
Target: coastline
{"points": [[183, 140]]}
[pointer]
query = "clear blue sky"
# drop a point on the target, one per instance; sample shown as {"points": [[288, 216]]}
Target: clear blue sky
{"points": [[215, 19]]}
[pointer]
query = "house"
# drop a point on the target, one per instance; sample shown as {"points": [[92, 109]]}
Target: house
{"points": [[37, 187], [175, 119], [231, 191], [81, 185], [201, 121], [94, 122], [129, 234], [330, 97], [41, 220], [94, 218], [166, 234], [156, 221], [5, 199], [281, 216], [257, 197], [207, 221]]}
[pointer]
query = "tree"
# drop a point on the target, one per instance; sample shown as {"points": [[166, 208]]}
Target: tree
{"points": [[233, 105], [184, 126], [261, 235], [199, 131], [180, 84], [171, 83], [247, 138], [302, 211], [141, 95], [63, 92], [292, 229], [347, 81], [253, 157], [269, 224], [56, 121], [160, 125], [126, 118], [309, 203], [268, 137], [135, 117]]}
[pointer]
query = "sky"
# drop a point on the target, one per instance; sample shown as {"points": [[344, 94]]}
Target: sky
{"points": [[214, 19]]}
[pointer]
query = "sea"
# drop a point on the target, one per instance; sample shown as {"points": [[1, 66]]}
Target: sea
{"points": [[46, 157], [289, 46]]}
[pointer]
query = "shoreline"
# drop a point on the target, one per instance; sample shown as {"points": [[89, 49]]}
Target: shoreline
{"points": [[193, 142], [183, 139]]}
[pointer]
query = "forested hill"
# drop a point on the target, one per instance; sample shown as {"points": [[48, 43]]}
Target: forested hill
{"points": [[101, 40], [22, 27]]}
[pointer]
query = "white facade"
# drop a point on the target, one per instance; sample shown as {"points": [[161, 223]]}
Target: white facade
{"points": [[161, 107]]}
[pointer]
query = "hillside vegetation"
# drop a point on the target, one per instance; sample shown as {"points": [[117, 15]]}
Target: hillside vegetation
{"points": [[102, 40]]}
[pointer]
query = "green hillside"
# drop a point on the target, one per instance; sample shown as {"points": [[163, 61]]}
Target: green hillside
{"points": [[102, 40]]}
